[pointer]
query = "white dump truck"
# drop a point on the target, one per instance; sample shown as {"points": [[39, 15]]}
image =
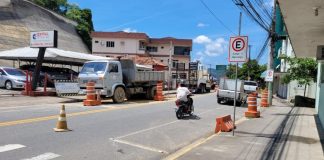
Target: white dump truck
{"points": [[119, 79], [226, 91], [199, 81]]}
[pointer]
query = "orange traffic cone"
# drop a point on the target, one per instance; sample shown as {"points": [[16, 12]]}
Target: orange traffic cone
{"points": [[61, 125]]}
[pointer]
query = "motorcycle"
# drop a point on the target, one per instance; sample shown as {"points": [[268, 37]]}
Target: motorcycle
{"points": [[184, 108]]}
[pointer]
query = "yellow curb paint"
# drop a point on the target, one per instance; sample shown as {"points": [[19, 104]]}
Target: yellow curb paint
{"points": [[197, 143]]}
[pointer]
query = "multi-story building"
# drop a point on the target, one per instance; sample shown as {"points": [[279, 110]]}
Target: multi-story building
{"points": [[136, 45]]}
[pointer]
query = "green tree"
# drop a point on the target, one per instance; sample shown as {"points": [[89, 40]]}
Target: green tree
{"points": [[303, 70], [72, 11], [251, 69], [58, 6], [230, 73]]}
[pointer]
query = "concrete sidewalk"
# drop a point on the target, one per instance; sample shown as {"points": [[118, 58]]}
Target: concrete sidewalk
{"points": [[282, 132]]}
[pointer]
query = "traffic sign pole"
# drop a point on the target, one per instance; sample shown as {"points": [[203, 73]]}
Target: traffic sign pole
{"points": [[240, 19]]}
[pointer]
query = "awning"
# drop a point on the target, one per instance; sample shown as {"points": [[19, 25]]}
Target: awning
{"points": [[52, 55]]}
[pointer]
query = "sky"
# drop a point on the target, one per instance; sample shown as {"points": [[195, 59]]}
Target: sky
{"points": [[183, 19]]}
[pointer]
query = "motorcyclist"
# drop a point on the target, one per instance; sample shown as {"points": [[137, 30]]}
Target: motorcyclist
{"points": [[182, 94]]}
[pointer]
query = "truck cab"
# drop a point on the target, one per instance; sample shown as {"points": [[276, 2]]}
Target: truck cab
{"points": [[106, 75]]}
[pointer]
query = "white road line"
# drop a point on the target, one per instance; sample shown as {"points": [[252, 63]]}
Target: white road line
{"points": [[139, 146], [10, 147], [161, 125], [45, 156], [140, 131]]}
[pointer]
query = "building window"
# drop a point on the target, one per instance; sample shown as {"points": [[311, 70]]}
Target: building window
{"points": [[96, 41], [151, 49], [141, 45], [174, 63], [110, 44], [183, 75], [174, 76], [179, 50]]}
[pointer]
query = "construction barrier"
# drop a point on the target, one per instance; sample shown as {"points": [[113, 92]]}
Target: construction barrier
{"points": [[61, 125], [92, 98], [159, 92], [224, 124], [252, 106], [264, 98]]}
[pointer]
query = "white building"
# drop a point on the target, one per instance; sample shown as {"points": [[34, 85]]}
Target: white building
{"points": [[131, 45]]}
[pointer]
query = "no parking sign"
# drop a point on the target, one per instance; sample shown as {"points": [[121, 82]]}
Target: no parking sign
{"points": [[238, 49], [269, 76]]}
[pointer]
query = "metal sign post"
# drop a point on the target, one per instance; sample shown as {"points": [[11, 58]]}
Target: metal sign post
{"points": [[41, 40], [237, 53]]}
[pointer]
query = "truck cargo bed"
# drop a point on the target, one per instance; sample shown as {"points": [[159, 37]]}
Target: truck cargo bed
{"points": [[141, 76]]}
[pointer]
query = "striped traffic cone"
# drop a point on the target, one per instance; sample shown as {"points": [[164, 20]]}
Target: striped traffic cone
{"points": [[61, 125]]}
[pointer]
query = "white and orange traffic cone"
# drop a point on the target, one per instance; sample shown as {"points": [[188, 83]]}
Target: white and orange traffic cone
{"points": [[61, 125]]}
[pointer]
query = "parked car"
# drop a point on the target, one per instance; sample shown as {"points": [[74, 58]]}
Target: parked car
{"points": [[53, 73], [250, 86], [12, 78]]}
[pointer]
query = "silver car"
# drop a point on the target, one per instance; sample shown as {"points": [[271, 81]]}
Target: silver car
{"points": [[12, 78]]}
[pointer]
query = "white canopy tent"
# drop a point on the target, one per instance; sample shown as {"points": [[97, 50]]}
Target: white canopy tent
{"points": [[52, 55]]}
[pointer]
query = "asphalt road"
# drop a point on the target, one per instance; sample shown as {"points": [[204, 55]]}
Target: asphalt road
{"points": [[134, 130]]}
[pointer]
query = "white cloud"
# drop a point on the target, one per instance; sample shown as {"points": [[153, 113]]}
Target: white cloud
{"points": [[216, 47], [200, 24], [211, 47], [199, 58], [202, 39], [129, 30]]}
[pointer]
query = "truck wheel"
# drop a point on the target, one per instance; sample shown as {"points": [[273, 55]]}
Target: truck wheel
{"points": [[150, 93], [203, 89], [119, 95], [219, 101]]}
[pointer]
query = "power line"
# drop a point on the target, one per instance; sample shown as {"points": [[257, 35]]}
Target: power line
{"points": [[262, 51], [214, 15], [255, 13]]}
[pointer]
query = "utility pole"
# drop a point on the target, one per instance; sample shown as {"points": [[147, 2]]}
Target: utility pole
{"points": [[239, 33], [209, 71], [272, 49], [248, 64], [170, 65]]}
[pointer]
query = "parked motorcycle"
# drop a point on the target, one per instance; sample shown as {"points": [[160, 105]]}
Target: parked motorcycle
{"points": [[184, 108]]}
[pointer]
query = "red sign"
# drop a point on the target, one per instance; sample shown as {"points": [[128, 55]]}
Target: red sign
{"points": [[238, 49]]}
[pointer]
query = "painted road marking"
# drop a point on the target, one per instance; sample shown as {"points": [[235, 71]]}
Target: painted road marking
{"points": [[197, 143], [161, 125], [111, 108], [10, 147], [10, 123], [139, 146], [45, 156], [144, 130], [188, 148]]}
